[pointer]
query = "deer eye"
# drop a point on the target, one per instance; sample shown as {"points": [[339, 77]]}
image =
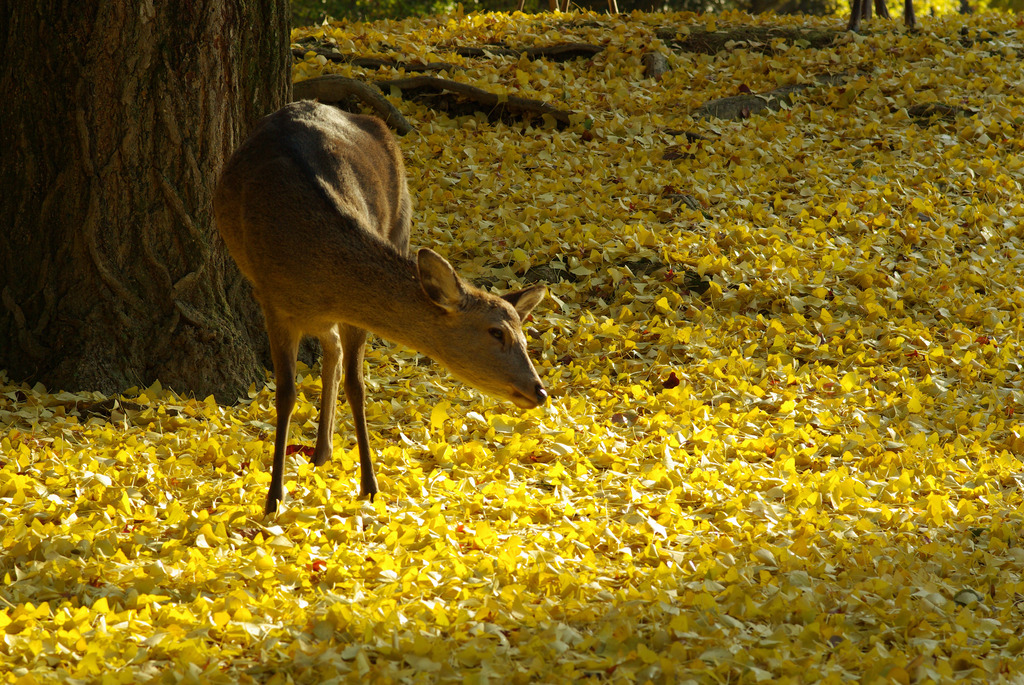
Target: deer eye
{"points": [[497, 334]]}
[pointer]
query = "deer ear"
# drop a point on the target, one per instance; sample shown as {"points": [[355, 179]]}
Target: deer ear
{"points": [[439, 280], [526, 299]]}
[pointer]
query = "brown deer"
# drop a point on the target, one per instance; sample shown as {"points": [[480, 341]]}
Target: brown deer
{"points": [[315, 210], [861, 9], [554, 5]]}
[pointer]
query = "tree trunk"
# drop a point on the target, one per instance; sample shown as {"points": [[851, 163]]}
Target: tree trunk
{"points": [[117, 119]]}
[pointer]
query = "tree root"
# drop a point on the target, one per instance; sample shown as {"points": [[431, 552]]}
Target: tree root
{"points": [[560, 52], [372, 62], [334, 89], [655, 65], [29, 344], [500, 106], [555, 272], [749, 104], [753, 38], [691, 136], [938, 111]]}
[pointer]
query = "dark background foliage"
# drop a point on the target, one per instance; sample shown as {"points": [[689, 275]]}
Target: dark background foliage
{"points": [[306, 12]]}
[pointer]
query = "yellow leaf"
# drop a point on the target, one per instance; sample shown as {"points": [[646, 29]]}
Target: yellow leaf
{"points": [[850, 381], [439, 415], [646, 654], [485, 537]]}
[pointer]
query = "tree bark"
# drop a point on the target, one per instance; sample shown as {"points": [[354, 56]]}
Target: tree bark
{"points": [[118, 117]]}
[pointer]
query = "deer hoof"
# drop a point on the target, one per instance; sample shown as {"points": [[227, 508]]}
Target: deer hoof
{"points": [[321, 457], [368, 489], [272, 500]]}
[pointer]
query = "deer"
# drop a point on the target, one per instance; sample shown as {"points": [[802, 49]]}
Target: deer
{"points": [[314, 208], [555, 5], [861, 9]]}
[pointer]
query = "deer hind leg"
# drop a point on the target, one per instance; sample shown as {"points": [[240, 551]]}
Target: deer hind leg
{"points": [[353, 341], [284, 349], [330, 377]]}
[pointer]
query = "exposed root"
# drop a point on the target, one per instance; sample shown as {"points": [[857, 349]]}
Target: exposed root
{"points": [[560, 52], [333, 89], [496, 105], [749, 104], [655, 65], [372, 62]]}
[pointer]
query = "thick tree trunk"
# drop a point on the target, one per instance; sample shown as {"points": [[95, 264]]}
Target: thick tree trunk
{"points": [[116, 121]]}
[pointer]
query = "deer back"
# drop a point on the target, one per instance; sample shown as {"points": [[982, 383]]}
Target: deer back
{"points": [[312, 188]]}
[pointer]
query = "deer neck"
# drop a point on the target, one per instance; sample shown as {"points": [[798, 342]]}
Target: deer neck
{"points": [[382, 294]]}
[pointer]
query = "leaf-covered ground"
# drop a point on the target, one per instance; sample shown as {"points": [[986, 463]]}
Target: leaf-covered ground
{"points": [[806, 469]]}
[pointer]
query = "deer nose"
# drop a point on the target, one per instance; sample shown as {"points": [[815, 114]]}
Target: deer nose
{"points": [[541, 393]]}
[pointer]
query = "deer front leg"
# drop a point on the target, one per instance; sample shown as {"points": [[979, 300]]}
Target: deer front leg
{"points": [[353, 341], [856, 8], [330, 376], [908, 14], [284, 349]]}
